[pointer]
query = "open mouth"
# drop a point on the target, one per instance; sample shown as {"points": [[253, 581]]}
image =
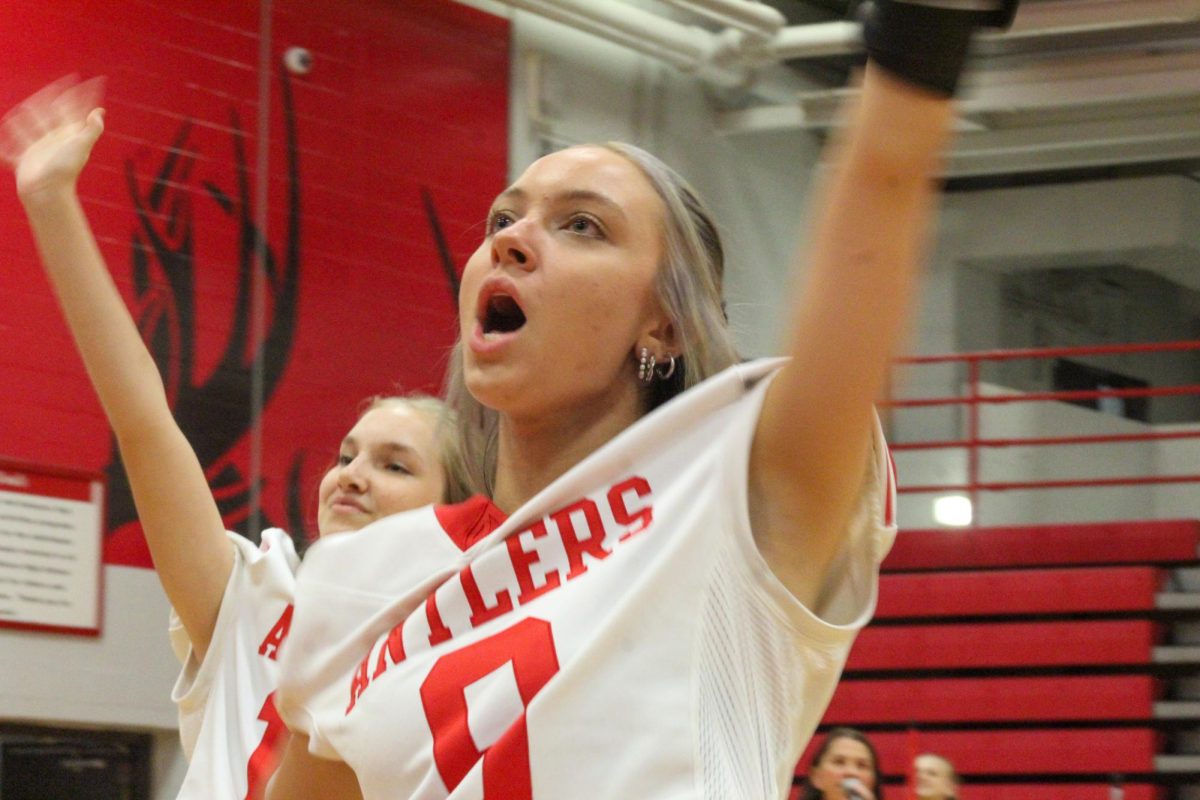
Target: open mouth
{"points": [[502, 314]]}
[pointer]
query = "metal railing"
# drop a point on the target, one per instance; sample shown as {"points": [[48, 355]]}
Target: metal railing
{"points": [[976, 441]]}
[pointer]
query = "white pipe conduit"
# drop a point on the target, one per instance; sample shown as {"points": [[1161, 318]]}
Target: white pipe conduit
{"points": [[809, 41], [751, 17], [682, 46], [722, 57]]}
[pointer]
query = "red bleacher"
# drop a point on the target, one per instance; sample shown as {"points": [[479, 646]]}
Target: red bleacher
{"points": [[984, 700], [1155, 542], [1023, 654], [998, 645], [1050, 791], [1015, 592]]}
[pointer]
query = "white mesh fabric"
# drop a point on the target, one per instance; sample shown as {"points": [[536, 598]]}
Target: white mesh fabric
{"points": [[760, 690]]}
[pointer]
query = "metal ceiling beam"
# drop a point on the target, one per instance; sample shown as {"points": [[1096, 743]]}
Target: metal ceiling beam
{"points": [[1065, 17], [1076, 145], [1085, 82]]}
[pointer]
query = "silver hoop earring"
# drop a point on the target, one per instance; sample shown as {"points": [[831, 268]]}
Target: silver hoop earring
{"points": [[662, 376], [646, 362]]}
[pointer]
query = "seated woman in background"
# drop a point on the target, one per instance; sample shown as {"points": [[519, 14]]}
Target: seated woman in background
{"points": [[846, 767], [231, 599]]}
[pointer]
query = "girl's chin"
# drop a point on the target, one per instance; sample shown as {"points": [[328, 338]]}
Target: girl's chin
{"points": [[495, 386], [331, 526]]}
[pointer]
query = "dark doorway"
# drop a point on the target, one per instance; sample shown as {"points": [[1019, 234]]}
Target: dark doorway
{"points": [[1072, 376], [65, 764]]}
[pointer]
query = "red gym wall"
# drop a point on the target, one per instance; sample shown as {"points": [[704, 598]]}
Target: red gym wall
{"points": [[382, 163]]}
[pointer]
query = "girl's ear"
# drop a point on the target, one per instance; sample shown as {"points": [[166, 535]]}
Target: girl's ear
{"points": [[660, 338]]}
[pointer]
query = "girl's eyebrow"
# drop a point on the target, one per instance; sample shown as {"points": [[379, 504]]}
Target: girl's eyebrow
{"points": [[393, 448], [576, 195], [390, 449]]}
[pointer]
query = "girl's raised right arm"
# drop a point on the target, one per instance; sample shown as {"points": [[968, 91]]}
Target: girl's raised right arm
{"points": [[46, 140]]}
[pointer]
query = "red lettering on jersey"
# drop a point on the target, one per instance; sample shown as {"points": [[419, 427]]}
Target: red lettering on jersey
{"points": [[576, 547], [359, 683], [529, 647], [639, 519], [393, 646], [279, 631], [523, 559], [265, 757], [480, 611], [438, 632], [580, 552]]}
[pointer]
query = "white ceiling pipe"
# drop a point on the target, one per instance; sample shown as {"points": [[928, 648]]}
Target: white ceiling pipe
{"points": [[808, 41], [683, 46], [754, 18]]}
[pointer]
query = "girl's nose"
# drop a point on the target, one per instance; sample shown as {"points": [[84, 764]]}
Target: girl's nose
{"points": [[350, 476], [511, 245]]}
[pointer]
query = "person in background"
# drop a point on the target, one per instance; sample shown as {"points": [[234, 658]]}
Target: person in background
{"points": [[934, 778], [846, 767]]}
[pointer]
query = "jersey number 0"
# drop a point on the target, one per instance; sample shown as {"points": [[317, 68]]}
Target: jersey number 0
{"points": [[529, 647]]}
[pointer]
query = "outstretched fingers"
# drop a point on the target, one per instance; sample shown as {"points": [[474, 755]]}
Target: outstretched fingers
{"points": [[16, 135], [63, 103], [77, 101], [30, 119]]}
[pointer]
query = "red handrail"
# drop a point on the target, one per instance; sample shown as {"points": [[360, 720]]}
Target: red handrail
{"points": [[1034, 441], [974, 441], [1033, 397], [1055, 352]]}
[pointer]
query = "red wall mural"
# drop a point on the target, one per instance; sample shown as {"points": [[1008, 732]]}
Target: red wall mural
{"points": [[382, 162]]}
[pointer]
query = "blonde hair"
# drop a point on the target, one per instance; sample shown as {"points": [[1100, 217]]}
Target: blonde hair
{"points": [[688, 284], [450, 453]]}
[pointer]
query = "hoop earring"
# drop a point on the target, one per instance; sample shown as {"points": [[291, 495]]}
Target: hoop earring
{"points": [[662, 376], [646, 362]]}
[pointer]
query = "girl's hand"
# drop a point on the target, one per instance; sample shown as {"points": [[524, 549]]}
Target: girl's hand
{"points": [[47, 138]]}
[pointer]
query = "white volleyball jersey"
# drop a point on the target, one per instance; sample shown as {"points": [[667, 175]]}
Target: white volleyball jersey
{"points": [[231, 733], [619, 636]]}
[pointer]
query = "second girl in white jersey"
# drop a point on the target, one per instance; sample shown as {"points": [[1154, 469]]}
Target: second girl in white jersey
{"points": [[232, 599]]}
